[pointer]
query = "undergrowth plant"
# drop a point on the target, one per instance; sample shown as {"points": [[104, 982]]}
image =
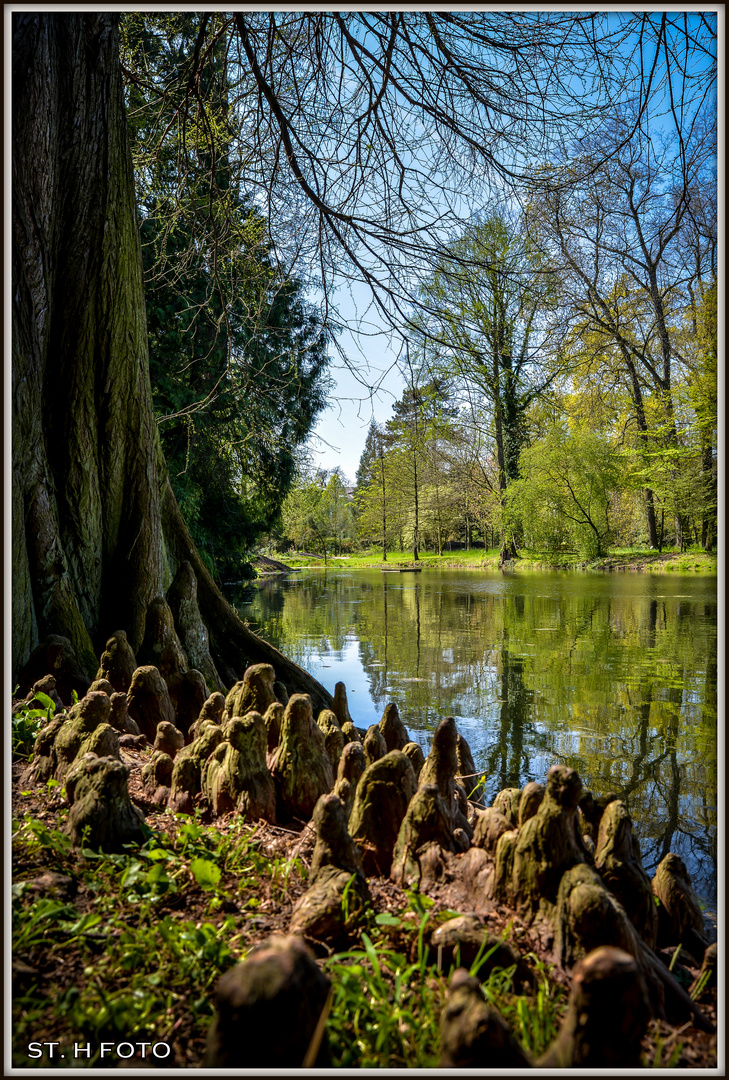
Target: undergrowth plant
{"points": [[140, 963], [534, 1019], [385, 1010], [388, 995], [128, 958], [27, 720]]}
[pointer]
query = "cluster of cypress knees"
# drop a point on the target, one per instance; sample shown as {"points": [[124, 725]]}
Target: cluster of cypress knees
{"points": [[563, 861]]}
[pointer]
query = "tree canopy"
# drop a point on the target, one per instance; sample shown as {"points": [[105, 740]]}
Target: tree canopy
{"points": [[238, 357], [369, 137], [322, 149]]}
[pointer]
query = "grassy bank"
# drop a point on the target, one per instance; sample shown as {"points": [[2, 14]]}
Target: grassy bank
{"points": [[634, 559]]}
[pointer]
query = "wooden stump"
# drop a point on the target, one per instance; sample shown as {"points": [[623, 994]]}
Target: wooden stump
{"points": [[169, 739], [617, 860], [189, 763], [340, 706], [472, 1034], [188, 693], [489, 828], [300, 766], [466, 770], [607, 1015], [392, 729], [161, 647], [117, 662], [253, 693], [268, 1010], [334, 740], [382, 798], [414, 752], [461, 941], [193, 634], [426, 824], [679, 917], [235, 776], [149, 701], [352, 764], [102, 816], [375, 746], [335, 901], [507, 803], [545, 847], [83, 719]]}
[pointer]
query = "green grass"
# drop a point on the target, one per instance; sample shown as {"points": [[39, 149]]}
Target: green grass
{"points": [[140, 963], [373, 558], [386, 1007], [385, 1010], [694, 560], [137, 953], [126, 957]]}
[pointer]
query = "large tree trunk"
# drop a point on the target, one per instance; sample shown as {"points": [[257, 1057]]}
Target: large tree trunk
{"points": [[96, 529]]}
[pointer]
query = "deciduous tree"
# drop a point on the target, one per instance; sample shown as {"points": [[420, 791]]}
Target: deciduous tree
{"points": [[368, 136]]}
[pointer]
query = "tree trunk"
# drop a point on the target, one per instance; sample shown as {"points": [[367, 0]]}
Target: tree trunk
{"points": [[96, 529], [384, 510], [637, 395], [708, 514], [416, 538]]}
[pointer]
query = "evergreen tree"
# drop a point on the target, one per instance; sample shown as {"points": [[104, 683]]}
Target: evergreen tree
{"points": [[237, 358], [372, 489]]}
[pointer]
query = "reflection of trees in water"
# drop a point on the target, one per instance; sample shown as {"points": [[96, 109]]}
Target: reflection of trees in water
{"points": [[507, 760], [618, 683], [672, 783]]}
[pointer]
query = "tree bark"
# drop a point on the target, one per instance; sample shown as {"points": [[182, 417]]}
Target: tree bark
{"points": [[637, 395], [96, 529], [384, 511]]}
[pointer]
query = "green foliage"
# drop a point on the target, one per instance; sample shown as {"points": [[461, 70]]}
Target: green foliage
{"points": [[534, 1020], [385, 1010], [566, 490], [317, 514], [41, 923], [490, 329], [206, 873], [26, 722], [238, 357], [143, 968]]}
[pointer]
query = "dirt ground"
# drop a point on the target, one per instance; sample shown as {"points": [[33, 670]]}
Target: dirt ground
{"points": [[272, 914]]}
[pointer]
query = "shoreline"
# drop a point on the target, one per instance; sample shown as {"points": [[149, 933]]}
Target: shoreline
{"points": [[691, 562]]}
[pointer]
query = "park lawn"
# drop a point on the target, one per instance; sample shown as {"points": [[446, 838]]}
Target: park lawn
{"points": [[693, 560]]}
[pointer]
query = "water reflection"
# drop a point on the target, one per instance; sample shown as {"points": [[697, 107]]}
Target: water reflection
{"points": [[615, 675]]}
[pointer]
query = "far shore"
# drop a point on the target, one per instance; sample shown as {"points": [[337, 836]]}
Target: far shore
{"points": [[645, 561]]}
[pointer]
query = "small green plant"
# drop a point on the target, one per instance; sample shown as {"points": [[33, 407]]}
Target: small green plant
{"points": [[700, 985], [385, 1011], [535, 1018], [27, 720], [39, 923], [674, 958], [663, 1057], [35, 836], [206, 873], [479, 788]]}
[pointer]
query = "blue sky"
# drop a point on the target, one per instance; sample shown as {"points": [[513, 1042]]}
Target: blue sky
{"points": [[371, 361], [340, 434]]}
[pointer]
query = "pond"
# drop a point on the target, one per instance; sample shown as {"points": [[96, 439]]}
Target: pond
{"points": [[613, 674]]}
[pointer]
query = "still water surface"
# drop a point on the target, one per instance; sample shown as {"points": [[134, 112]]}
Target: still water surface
{"points": [[613, 674]]}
